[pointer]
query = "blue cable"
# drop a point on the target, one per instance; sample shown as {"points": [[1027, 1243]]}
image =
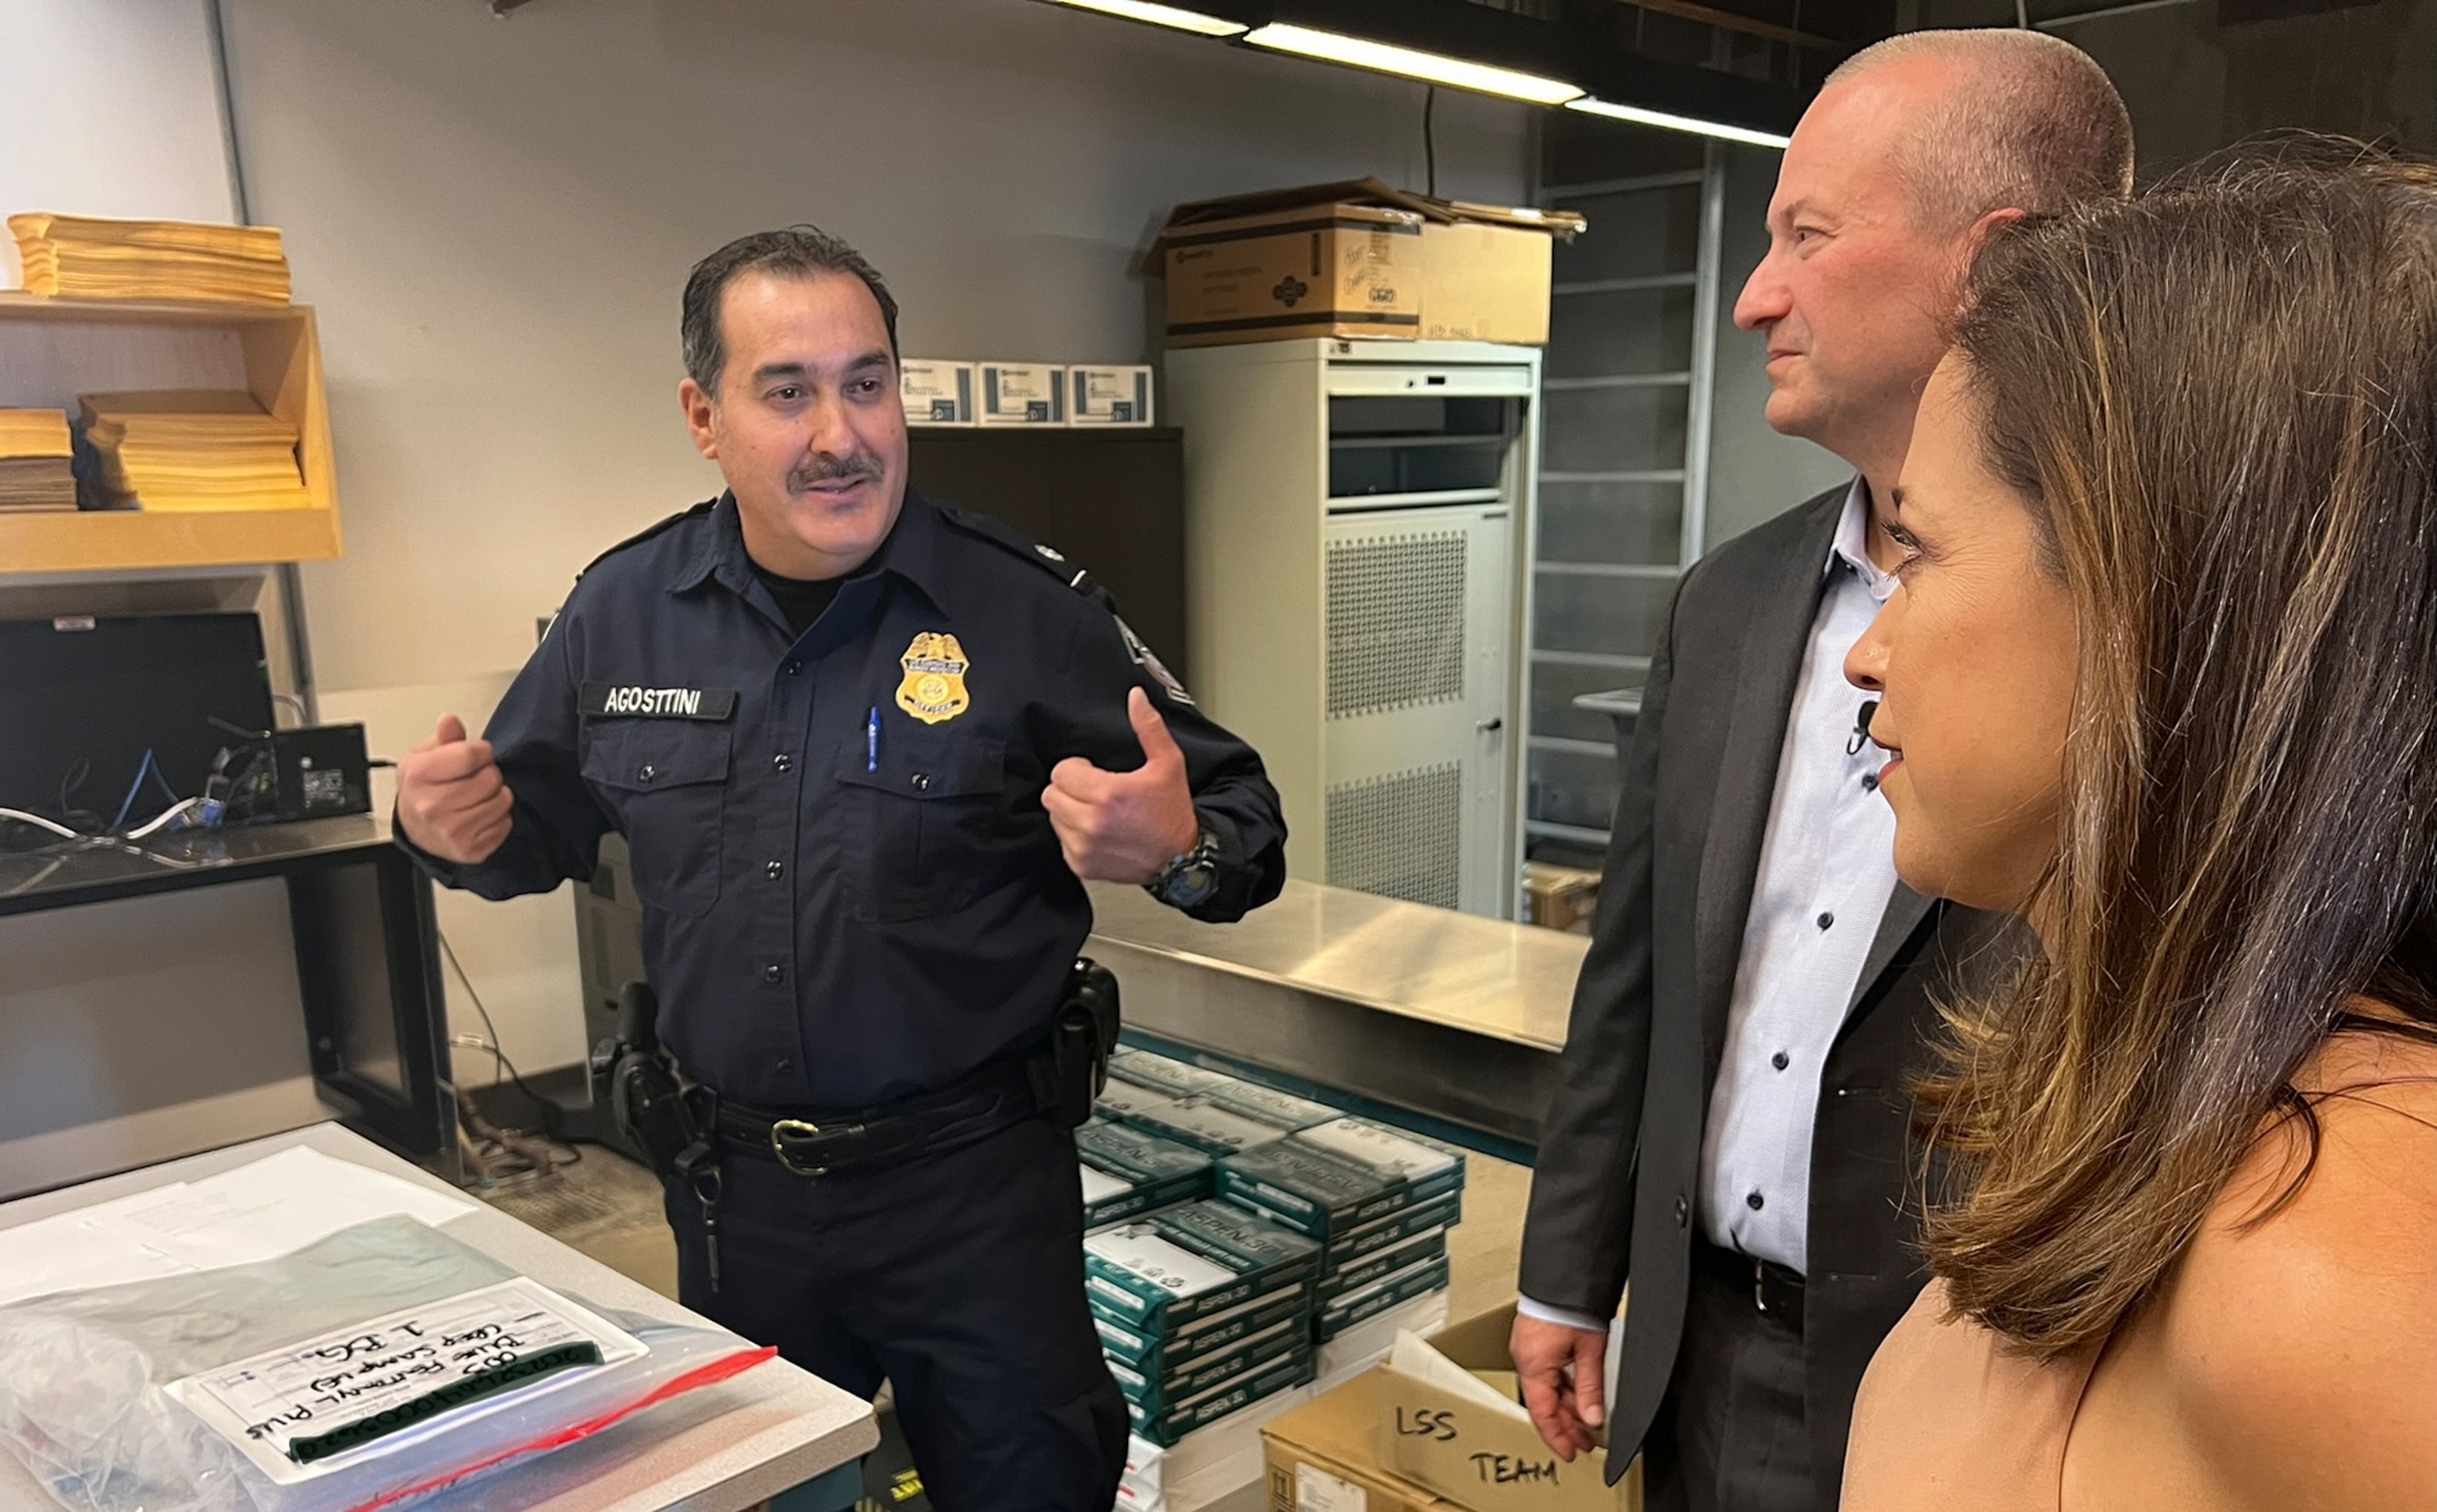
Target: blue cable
{"points": [[132, 788]]}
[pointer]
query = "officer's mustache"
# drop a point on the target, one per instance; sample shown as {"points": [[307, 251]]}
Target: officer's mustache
{"points": [[827, 468]]}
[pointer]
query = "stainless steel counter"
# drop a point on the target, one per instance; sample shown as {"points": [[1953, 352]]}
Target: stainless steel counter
{"points": [[1448, 1014]]}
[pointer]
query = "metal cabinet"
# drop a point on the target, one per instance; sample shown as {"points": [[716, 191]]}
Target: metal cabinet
{"points": [[1353, 513]]}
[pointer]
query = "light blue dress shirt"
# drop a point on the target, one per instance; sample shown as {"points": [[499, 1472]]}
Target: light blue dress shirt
{"points": [[1827, 870]]}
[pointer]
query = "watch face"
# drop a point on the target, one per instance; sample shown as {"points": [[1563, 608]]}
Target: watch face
{"points": [[1192, 884]]}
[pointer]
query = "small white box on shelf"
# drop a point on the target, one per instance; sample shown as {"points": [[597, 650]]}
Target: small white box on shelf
{"points": [[1022, 393], [937, 393], [1108, 396]]}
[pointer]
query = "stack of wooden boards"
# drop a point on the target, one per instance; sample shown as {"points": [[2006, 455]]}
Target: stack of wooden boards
{"points": [[37, 466], [190, 449], [85, 257]]}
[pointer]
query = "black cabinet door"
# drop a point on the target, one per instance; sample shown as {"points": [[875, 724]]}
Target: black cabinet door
{"points": [[1112, 502]]}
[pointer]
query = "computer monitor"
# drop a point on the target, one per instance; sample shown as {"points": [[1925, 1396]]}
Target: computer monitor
{"points": [[82, 698]]}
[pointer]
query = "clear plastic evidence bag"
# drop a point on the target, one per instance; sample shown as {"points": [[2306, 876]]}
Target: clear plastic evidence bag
{"points": [[369, 1370]]}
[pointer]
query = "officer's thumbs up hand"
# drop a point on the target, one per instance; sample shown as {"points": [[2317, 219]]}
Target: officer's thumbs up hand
{"points": [[451, 800], [1125, 826]]}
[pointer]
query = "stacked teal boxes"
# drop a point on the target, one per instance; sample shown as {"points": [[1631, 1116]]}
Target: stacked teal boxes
{"points": [[1128, 1171], [1379, 1200], [1203, 1309]]}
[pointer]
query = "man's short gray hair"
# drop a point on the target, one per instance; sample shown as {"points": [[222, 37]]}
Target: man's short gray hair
{"points": [[2035, 125]]}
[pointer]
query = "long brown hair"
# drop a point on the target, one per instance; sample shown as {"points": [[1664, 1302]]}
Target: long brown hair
{"points": [[2221, 397]]}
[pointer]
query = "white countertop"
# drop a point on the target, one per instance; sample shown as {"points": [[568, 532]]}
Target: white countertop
{"points": [[721, 1448], [1485, 976]]}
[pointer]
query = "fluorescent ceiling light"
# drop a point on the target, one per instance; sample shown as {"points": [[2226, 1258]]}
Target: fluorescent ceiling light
{"points": [[1676, 123], [1436, 68], [1193, 21]]}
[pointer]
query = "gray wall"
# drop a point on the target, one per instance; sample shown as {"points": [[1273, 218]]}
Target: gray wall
{"points": [[1755, 474], [495, 218]]}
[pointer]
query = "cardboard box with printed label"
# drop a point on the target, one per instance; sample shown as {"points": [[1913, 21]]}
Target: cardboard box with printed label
{"points": [[1357, 259], [935, 393], [1127, 1172], [1108, 394], [1322, 1457], [1443, 1425], [1021, 394]]}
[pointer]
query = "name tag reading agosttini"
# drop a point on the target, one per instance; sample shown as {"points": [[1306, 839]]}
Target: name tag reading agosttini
{"points": [[629, 700]]}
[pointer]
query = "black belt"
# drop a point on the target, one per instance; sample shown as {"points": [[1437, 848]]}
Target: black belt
{"points": [[817, 1141], [1775, 1290]]}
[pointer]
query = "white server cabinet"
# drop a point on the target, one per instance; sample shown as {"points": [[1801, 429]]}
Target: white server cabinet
{"points": [[1355, 515]]}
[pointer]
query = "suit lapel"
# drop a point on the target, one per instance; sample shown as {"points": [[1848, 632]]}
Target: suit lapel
{"points": [[1905, 910], [1787, 596]]}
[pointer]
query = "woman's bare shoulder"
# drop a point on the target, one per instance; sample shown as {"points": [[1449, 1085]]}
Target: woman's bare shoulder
{"points": [[2299, 1336]]}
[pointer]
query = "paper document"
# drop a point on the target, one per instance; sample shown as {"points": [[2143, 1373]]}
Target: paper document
{"points": [[325, 1402], [258, 1211]]}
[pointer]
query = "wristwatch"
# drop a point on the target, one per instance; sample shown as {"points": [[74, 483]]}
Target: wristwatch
{"points": [[1189, 878]]}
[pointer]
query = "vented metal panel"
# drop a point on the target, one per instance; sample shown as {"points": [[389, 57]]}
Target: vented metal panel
{"points": [[1400, 835], [1396, 623]]}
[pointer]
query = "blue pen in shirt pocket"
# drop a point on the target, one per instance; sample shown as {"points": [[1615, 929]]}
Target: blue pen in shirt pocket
{"points": [[872, 741]]}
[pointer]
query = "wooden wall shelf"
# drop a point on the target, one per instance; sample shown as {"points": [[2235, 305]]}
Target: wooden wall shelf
{"points": [[51, 350]]}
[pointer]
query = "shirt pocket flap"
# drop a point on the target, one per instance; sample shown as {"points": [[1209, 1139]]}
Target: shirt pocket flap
{"points": [[924, 765], [650, 755]]}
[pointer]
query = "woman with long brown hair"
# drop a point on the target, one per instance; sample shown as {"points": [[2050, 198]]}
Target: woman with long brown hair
{"points": [[2161, 676]]}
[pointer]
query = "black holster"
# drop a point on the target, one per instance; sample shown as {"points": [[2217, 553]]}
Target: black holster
{"points": [[646, 1100], [1070, 1073]]}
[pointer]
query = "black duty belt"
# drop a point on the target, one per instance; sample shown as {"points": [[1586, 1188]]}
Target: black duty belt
{"points": [[817, 1141], [1775, 1290]]}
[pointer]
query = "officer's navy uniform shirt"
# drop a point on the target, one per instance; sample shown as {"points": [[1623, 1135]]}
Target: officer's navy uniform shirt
{"points": [[832, 922]]}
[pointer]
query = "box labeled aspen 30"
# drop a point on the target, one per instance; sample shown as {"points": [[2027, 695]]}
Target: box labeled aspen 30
{"points": [[1156, 1353], [1128, 1171], [1207, 1125], [1182, 1263], [1022, 393]]}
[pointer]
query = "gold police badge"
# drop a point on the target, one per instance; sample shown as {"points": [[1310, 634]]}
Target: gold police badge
{"points": [[933, 689]]}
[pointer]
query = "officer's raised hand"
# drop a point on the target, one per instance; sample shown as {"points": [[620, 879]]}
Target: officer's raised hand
{"points": [[451, 800], [1125, 826]]}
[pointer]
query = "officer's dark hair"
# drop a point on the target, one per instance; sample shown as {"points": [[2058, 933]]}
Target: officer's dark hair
{"points": [[792, 251]]}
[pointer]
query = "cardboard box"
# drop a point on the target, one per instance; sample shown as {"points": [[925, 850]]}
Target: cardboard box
{"points": [[1122, 1096], [1356, 1244], [1485, 282], [1443, 1428], [1168, 1427], [1128, 1170], [1428, 1167], [1355, 1274], [1335, 1177], [1323, 1457], [1164, 1073], [1021, 394], [1420, 1278], [1309, 1190], [1155, 1392], [1182, 1263], [1357, 259], [1270, 1105], [1327, 268], [1108, 396], [1152, 1352], [1206, 1125], [935, 393], [1557, 897]]}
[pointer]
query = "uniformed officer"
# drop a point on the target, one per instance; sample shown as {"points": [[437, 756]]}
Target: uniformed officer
{"points": [[863, 747]]}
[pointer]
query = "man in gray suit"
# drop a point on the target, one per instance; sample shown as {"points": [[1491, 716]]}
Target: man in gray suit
{"points": [[1732, 1129]]}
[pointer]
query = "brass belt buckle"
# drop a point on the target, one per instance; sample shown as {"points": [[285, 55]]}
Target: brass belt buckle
{"points": [[795, 1128], [1760, 1285]]}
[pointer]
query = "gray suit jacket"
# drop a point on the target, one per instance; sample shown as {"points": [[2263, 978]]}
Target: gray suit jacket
{"points": [[1614, 1189]]}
